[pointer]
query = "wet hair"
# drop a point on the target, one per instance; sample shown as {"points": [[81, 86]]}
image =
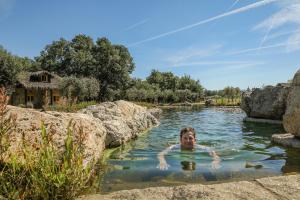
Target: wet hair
{"points": [[187, 130]]}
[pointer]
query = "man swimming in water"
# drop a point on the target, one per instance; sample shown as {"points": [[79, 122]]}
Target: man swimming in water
{"points": [[187, 142]]}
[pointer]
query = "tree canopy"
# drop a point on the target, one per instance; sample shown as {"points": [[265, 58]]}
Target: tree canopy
{"points": [[11, 65], [110, 64]]}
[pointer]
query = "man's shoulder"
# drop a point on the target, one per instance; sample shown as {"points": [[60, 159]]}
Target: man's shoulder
{"points": [[202, 147], [175, 146]]}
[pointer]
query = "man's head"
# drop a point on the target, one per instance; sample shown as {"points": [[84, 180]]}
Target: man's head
{"points": [[187, 138]]}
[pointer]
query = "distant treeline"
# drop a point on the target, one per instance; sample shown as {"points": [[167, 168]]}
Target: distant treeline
{"points": [[100, 71]]}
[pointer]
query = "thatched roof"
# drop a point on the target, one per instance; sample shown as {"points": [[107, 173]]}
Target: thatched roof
{"points": [[25, 79]]}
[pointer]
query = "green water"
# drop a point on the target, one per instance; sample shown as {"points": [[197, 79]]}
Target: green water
{"points": [[244, 147]]}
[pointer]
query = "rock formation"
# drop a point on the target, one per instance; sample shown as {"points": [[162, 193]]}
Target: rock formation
{"points": [[291, 118], [105, 125], [122, 120], [267, 103], [282, 187]]}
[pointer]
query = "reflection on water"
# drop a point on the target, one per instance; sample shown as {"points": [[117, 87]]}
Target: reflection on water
{"points": [[244, 147]]}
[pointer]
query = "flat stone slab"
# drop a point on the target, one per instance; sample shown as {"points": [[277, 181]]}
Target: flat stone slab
{"points": [[282, 187], [286, 139], [285, 187], [268, 121]]}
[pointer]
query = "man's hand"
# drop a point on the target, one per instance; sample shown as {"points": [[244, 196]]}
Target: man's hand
{"points": [[163, 165], [215, 164]]}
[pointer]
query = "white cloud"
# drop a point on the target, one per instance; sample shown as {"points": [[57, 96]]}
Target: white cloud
{"points": [[293, 44], [226, 14], [289, 14], [192, 53], [133, 26]]}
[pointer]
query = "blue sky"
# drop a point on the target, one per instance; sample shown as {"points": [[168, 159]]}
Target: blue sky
{"points": [[222, 43]]}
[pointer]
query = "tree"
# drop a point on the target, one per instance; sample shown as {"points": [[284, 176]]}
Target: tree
{"points": [[90, 88], [113, 66], [68, 57], [11, 65], [110, 64]]}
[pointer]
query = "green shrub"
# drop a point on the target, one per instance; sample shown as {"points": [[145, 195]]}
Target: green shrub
{"points": [[40, 170], [71, 107]]}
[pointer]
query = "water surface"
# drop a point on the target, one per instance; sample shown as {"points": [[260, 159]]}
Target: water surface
{"points": [[244, 147]]}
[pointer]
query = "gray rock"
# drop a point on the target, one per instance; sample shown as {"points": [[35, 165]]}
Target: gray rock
{"points": [[107, 124], [267, 103], [210, 102], [156, 112], [291, 118], [29, 123], [283, 187], [287, 140], [258, 120], [123, 120]]}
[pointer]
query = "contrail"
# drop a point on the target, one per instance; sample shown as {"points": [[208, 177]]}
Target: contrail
{"points": [[136, 25], [233, 4], [236, 11], [264, 47], [266, 35]]}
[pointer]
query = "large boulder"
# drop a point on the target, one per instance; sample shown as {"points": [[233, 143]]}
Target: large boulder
{"points": [[291, 118], [267, 103], [28, 126], [104, 125], [282, 187], [123, 120]]}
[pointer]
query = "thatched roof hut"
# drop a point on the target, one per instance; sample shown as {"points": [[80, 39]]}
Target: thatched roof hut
{"points": [[33, 80], [36, 89]]}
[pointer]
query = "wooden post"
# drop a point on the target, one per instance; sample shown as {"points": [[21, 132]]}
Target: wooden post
{"points": [[25, 96], [51, 97]]}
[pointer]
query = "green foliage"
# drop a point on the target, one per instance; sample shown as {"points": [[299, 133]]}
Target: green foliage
{"points": [[42, 172], [228, 92], [11, 65], [7, 124], [39, 170], [165, 87], [71, 107], [110, 64], [90, 89], [79, 88]]}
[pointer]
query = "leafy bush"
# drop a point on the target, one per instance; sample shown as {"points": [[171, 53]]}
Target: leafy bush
{"points": [[71, 107]]}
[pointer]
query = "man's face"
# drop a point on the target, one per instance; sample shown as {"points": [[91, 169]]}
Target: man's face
{"points": [[188, 140]]}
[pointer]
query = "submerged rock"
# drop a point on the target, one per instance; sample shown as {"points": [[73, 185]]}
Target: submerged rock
{"points": [[287, 140], [291, 118], [266, 121], [267, 103]]}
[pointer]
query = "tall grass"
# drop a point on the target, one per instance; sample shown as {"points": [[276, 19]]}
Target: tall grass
{"points": [[222, 101], [70, 107], [40, 170]]}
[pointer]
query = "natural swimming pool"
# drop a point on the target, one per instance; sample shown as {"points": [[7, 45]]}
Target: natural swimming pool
{"points": [[244, 147]]}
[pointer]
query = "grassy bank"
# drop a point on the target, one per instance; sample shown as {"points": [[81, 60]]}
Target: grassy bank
{"points": [[38, 169], [222, 101], [70, 107]]}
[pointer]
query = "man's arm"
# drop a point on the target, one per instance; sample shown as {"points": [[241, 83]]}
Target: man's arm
{"points": [[215, 164], [163, 165]]}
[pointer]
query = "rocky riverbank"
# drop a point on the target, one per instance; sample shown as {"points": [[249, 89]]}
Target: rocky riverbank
{"points": [[105, 125], [273, 104], [282, 187]]}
